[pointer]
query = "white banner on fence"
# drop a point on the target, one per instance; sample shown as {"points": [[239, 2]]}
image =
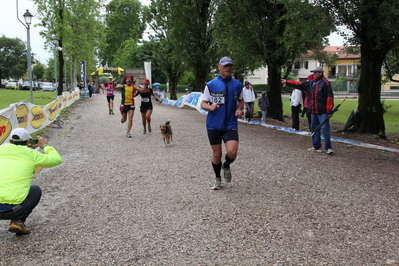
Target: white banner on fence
{"points": [[33, 117], [192, 100]]}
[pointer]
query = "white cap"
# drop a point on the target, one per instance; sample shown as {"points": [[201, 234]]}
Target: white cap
{"points": [[22, 134]]}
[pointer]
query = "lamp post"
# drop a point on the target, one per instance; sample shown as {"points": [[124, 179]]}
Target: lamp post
{"points": [[28, 21]]}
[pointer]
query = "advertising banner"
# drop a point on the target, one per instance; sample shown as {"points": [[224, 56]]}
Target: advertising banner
{"points": [[32, 117]]}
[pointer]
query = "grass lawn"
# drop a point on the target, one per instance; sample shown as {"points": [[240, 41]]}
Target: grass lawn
{"points": [[40, 98], [391, 117]]}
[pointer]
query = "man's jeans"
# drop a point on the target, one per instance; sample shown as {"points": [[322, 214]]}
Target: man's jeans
{"points": [[264, 114], [316, 120], [27, 206], [248, 114]]}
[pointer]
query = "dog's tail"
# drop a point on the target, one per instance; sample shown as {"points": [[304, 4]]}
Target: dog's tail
{"points": [[167, 122]]}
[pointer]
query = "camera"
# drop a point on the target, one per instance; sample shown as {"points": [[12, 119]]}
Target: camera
{"points": [[33, 141]]}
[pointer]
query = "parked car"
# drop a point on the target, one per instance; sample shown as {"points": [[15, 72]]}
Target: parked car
{"points": [[4, 84], [48, 86], [38, 86], [13, 85], [26, 86]]}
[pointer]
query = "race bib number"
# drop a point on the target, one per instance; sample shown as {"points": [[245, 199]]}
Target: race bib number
{"points": [[217, 98], [145, 99]]}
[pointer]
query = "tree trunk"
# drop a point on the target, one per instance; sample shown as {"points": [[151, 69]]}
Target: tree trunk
{"points": [[60, 57], [173, 88], [200, 81], [370, 107], [275, 109], [61, 62]]}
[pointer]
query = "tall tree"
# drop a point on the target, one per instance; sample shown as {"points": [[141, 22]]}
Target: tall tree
{"points": [[49, 73], [13, 58], [373, 26], [134, 55], [273, 34], [73, 27], [391, 65], [189, 28], [85, 33], [123, 22], [52, 15], [38, 71], [170, 64]]}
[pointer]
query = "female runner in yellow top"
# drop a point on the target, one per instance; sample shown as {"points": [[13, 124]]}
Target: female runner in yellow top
{"points": [[128, 92]]}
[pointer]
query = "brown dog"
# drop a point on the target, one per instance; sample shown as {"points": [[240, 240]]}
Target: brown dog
{"points": [[166, 131]]}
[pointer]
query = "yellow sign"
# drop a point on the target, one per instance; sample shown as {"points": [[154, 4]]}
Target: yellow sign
{"points": [[64, 100], [52, 110], [5, 128], [38, 117], [22, 115], [59, 102]]}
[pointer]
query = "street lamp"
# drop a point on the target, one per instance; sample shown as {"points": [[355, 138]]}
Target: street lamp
{"points": [[28, 21]]}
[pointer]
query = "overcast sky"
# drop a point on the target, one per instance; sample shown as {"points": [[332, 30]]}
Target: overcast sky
{"points": [[12, 28]]}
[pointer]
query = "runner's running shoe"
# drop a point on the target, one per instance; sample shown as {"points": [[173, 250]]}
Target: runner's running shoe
{"points": [[227, 174], [217, 185]]}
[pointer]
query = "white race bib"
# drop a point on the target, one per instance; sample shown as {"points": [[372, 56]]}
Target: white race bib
{"points": [[145, 99], [217, 98]]}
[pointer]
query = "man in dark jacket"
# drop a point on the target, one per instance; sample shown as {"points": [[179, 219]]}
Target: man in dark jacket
{"points": [[321, 104], [263, 104]]}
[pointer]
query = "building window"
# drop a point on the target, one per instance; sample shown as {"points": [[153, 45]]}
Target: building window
{"points": [[297, 65], [306, 64]]}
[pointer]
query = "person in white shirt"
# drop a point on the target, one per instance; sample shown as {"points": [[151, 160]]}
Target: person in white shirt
{"points": [[296, 99], [249, 99]]}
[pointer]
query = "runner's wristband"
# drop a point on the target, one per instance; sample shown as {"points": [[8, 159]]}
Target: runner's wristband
{"points": [[44, 146]]}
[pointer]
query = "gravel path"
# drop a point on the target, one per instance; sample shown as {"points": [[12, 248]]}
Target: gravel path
{"points": [[120, 201]]}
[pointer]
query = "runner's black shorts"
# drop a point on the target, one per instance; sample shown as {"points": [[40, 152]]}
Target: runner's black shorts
{"points": [[127, 108], [109, 98], [145, 108], [216, 136]]}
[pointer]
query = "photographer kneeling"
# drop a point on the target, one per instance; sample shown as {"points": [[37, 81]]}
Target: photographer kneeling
{"points": [[18, 197]]}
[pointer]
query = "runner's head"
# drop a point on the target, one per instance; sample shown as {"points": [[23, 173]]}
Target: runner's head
{"points": [[129, 80], [225, 67], [146, 83]]}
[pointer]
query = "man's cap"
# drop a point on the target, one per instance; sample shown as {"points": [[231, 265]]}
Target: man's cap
{"points": [[318, 69], [225, 61], [246, 82], [263, 92], [110, 77], [20, 134]]}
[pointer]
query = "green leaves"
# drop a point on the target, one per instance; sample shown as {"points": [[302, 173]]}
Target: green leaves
{"points": [[13, 58], [123, 22]]}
